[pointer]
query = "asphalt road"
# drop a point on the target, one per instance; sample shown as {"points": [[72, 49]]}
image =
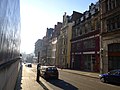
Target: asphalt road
{"points": [[70, 81]]}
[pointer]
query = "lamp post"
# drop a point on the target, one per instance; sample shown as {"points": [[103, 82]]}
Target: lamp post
{"points": [[38, 56]]}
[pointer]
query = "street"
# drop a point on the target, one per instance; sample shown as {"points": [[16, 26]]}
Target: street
{"points": [[69, 81]]}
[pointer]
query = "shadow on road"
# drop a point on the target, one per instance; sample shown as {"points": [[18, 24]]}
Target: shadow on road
{"points": [[19, 79], [116, 84], [62, 84], [42, 85]]}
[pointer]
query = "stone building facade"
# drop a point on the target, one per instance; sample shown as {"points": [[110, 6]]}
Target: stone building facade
{"points": [[110, 35], [64, 46], [38, 49]]}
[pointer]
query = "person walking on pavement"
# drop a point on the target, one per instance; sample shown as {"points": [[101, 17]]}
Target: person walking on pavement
{"points": [[38, 72]]}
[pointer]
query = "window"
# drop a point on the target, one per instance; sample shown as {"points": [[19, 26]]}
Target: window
{"points": [[93, 58], [83, 29], [88, 44], [80, 30], [89, 26], [86, 28], [78, 46], [117, 3], [114, 47], [106, 4], [92, 25], [73, 47], [114, 62], [97, 24], [118, 21], [73, 33], [77, 31], [111, 4], [113, 23], [82, 18]]}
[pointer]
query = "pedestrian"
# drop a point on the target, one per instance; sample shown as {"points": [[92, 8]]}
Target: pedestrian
{"points": [[38, 72]]}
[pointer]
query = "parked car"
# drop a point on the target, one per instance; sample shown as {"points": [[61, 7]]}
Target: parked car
{"points": [[28, 64], [48, 72], [112, 76]]}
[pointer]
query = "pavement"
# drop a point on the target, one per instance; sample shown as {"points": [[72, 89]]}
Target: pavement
{"points": [[27, 79]]}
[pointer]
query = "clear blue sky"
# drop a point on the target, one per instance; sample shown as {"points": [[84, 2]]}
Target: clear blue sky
{"points": [[37, 15]]}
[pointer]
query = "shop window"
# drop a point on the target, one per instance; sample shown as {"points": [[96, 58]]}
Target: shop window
{"points": [[114, 47], [113, 62], [89, 44], [87, 62]]}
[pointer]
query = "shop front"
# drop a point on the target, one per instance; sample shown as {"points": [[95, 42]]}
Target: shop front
{"points": [[85, 55], [114, 56]]}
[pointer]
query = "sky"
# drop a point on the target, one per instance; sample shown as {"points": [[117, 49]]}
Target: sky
{"points": [[38, 15]]}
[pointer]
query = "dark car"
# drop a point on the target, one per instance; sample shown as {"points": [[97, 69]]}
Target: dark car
{"points": [[48, 72], [112, 76], [28, 64]]}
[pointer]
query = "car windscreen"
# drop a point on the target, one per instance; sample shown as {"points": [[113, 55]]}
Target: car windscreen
{"points": [[113, 72]]}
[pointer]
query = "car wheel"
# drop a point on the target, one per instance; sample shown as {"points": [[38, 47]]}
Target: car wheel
{"points": [[103, 80]]}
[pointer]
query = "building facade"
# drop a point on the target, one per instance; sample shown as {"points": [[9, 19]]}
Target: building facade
{"points": [[62, 42], [44, 51], [110, 35], [85, 40], [64, 45], [38, 49], [48, 45], [55, 35]]}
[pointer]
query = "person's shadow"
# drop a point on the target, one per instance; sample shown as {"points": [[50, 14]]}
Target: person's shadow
{"points": [[62, 84], [44, 87]]}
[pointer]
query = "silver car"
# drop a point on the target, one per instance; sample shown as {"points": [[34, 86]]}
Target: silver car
{"points": [[48, 72]]}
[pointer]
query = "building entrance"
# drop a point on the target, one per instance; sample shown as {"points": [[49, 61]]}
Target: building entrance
{"points": [[114, 56], [89, 61]]}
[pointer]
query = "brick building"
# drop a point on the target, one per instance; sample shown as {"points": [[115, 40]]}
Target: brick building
{"points": [[85, 40]]}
